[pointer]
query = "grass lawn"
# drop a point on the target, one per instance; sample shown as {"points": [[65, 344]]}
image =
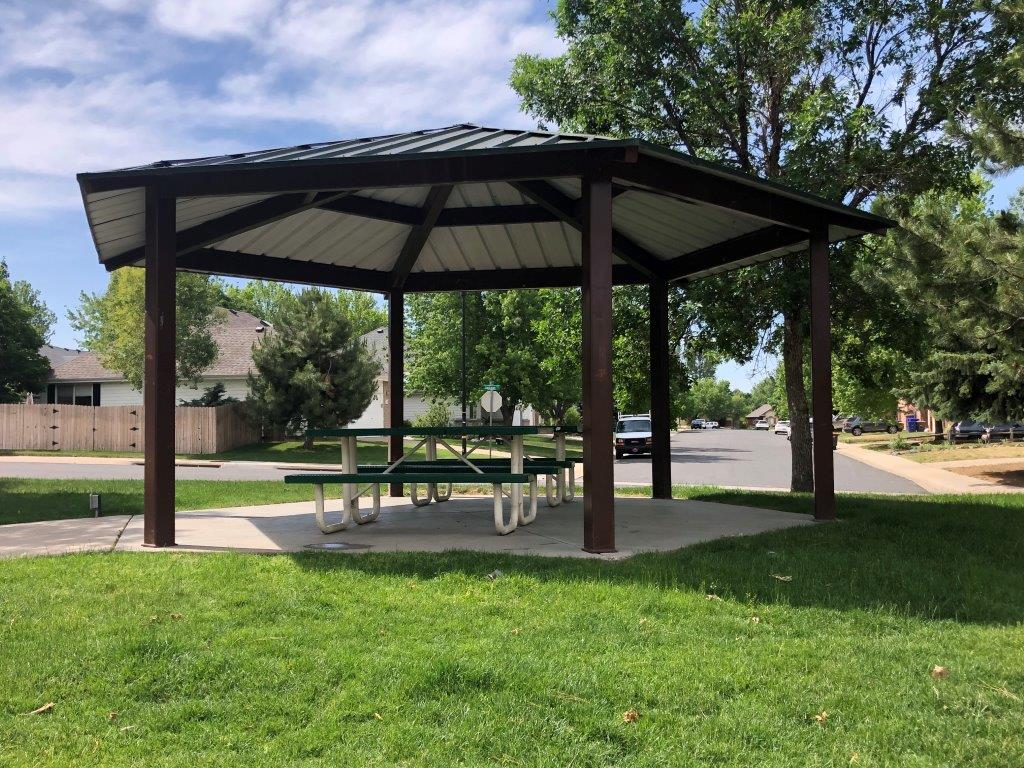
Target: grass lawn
{"points": [[807, 647]]}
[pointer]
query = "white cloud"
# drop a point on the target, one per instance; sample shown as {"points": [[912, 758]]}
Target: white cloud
{"points": [[213, 20], [127, 88]]}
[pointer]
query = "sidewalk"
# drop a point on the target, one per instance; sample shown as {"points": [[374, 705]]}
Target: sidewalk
{"points": [[933, 479]]}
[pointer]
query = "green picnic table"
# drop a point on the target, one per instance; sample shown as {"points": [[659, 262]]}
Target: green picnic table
{"points": [[516, 471]]}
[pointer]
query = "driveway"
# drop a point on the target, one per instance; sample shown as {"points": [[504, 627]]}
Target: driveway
{"points": [[743, 457]]}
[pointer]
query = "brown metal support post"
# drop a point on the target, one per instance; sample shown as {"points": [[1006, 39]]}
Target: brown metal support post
{"points": [[396, 378], [821, 378], [598, 405], [158, 386], [661, 458]]}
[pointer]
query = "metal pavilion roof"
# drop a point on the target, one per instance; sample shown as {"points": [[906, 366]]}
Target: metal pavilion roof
{"points": [[357, 212]]}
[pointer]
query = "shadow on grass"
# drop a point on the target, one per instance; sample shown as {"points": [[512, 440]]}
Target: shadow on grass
{"points": [[956, 558]]}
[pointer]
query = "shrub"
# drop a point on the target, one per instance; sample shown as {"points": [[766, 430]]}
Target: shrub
{"points": [[437, 415]]}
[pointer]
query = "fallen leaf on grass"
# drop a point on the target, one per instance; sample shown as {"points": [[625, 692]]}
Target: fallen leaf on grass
{"points": [[495, 574], [177, 616], [713, 597], [126, 728], [378, 715], [780, 577], [111, 715], [939, 673], [47, 707], [755, 619], [630, 716], [821, 718]]}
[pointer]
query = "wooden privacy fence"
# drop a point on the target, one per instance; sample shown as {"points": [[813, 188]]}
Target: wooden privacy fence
{"points": [[120, 428]]}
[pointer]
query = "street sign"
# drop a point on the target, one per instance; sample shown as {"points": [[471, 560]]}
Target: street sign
{"points": [[491, 401], [491, 387]]}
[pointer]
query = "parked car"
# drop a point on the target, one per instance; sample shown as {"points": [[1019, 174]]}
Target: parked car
{"points": [[697, 424], [1007, 431], [710, 425], [762, 424], [966, 430], [632, 436], [855, 425], [782, 428]]}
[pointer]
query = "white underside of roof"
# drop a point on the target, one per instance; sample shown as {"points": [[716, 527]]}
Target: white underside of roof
{"points": [[665, 226]]}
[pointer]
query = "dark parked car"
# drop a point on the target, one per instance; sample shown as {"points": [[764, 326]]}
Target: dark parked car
{"points": [[1009, 431], [963, 431], [855, 425]]}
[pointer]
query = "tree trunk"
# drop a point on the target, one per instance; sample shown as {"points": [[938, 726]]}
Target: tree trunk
{"points": [[796, 396], [307, 442], [508, 411]]}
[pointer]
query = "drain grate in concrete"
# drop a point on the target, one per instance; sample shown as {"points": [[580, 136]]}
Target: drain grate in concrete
{"points": [[335, 546]]}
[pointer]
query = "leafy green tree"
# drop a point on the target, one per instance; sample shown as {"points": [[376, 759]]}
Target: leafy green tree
{"points": [[112, 324], [22, 368], [271, 301], [845, 98], [42, 318], [710, 399], [436, 415], [313, 371], [501, 346], [960, 268], [558, 330]]}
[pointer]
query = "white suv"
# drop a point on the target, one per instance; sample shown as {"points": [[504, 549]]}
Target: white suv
{"points": [[632, 435]]}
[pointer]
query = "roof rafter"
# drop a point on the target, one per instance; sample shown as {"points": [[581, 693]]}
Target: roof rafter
{"points": [[565, 208], [764, 240], [234, 223], [437, 198]]}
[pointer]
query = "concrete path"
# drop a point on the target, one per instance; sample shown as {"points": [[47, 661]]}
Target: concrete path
{"points": [[464, 523], [927, 475]]}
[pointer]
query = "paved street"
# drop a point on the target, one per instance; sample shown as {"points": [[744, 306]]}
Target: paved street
{"points": [[712, 457], [750, 459]]}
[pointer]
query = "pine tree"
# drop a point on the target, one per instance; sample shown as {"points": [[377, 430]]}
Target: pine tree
{"points": [[313, 371]]}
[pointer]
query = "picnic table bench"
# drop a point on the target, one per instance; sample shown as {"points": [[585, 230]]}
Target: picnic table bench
{"points": [[516, 471]]}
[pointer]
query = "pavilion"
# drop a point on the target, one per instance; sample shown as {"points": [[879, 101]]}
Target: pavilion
{"points": [[466, 208]]}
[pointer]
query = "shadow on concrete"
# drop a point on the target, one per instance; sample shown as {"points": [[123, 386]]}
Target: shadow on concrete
{"points": [[942, 559]]}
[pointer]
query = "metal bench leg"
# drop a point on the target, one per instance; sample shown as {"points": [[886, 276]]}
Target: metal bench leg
{"points": [[414, 497], [570, 490], [516, 466], [373, 514], [499, 514], [553, 488], [432, 456], [524, 518], [321, 515], [442, 496]]}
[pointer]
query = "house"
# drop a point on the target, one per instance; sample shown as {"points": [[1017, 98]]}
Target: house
{"points": [[415, 404], [765, 412], [78, 378]]}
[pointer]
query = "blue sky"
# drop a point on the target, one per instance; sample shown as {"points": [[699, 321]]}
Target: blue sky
{"points": [[98, 84]]}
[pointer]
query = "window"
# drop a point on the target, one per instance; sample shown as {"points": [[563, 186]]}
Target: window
{"points": [[76, 394], [634, 425]]}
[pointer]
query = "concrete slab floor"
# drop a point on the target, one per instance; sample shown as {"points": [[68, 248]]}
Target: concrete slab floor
{"points": [[465, 523], [55, 537]]}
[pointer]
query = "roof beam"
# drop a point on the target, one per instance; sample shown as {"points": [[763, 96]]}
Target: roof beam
{"points": [[508, 279], [483, 216], [234, 223], [417, 238], [382, 210], [565, 208], [735, 194], [364, 172], [233, 264], [754, 243]]}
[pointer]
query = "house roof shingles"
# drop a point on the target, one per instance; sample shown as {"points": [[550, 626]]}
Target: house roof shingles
{"points": [[761, 412], [234, 337]]}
